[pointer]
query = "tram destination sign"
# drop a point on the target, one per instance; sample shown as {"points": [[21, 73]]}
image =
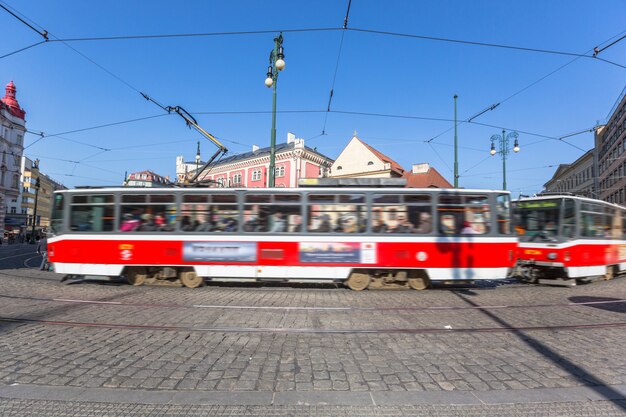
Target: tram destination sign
{"points": [[538, 204]]}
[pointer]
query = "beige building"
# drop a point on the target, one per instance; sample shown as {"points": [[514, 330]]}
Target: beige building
{"points": [[576, 178], [610, 141], [35, 202], [360, 160]]}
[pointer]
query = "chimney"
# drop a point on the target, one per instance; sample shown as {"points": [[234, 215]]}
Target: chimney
{"points": [[255, 148], [420, 168], [291, 137]]}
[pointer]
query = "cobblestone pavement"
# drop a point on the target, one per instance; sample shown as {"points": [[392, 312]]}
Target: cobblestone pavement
{"points": [[425, 353], [27, 408]]}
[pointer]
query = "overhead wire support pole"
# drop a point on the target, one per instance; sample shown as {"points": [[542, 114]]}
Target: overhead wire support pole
{"points": [[43, 34], [332, 87], [456, 147], [191, 122], [597, 50]]}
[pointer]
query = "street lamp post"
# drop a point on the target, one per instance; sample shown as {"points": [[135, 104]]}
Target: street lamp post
{"points": [[504, 149], [32, 232], [277, 63]]}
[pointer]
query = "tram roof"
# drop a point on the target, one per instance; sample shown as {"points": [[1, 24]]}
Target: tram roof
{"points": [[338, 190], [572, 196]]}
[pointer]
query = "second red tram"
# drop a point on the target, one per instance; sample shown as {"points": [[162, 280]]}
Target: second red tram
{"points": [[569, 238]]}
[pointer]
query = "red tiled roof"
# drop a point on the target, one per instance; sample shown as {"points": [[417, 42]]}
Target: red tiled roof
{"points": [[395, 167], [429, 179]]}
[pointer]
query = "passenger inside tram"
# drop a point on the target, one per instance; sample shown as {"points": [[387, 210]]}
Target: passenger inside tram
{"points": [[425, 223]]}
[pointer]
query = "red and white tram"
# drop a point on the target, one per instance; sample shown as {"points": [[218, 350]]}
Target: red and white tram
{"points": [[569, 238], [364, 237]]}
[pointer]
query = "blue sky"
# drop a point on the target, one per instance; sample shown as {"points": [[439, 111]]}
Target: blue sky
{"points": [[62, 91]]}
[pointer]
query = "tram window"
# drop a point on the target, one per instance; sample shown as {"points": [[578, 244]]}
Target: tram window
{"points": [[56, 223], [284, 216], [464, 214], [148, 213], [162, 198], [417, 198], [569, 219], [254, 218], [258, 198], [595, 220], [287, 198], [332, 217], [386, 199], [88, 199], [134, 198], [352, 199], [450, 199], [92, 213], [503, 206], [616, 228], [401, 219], [272, 219], [195, 198], [224, 198], [319, 198], [222, 215]]}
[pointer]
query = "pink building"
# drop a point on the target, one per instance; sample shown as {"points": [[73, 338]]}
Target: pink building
{"points": [[293, 161]]}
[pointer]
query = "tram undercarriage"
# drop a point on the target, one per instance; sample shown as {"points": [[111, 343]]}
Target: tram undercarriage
{"points": [[359, 279], [533, 273]]}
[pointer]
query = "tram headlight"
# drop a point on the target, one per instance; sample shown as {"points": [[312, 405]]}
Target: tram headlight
{"points": [[552, 256]]}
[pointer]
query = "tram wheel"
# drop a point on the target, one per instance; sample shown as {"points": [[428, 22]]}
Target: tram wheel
{"points": [[136, 276], [358, 281], [190, 279], [418, 281]]}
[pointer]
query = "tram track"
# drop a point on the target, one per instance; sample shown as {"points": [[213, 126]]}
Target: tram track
{"points": [[305, 308], [287, 330]]}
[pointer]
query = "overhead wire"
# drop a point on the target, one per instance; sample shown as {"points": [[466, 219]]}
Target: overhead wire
{"points": [[56, 39], [344, 29], [332, 86], [442, 160], [493, 106], [195, 35], [22, 49], [321, 29], [485, 44]]}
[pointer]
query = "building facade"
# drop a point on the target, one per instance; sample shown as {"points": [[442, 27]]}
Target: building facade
{"points": [[34, 205], [360, 160], [293, 160], [12, 129], [577, 178], [610, 144], [147, 179]]}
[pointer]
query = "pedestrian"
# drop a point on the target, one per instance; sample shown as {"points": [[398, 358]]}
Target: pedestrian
{"points": [[42, 249]]}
